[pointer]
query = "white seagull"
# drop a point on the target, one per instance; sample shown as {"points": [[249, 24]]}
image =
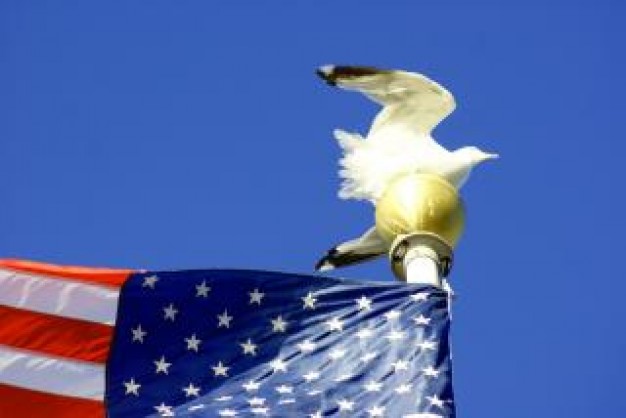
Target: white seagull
{"points": [[399, 141]]}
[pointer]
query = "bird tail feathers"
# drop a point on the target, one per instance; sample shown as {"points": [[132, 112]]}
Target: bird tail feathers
{"points": [[348, 141], [351, 171]]}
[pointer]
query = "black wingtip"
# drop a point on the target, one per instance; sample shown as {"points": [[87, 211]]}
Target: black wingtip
{"points": [[331, 74], [326, 73], [326, 263], [321, 264], [335, 258], [356, 70]]}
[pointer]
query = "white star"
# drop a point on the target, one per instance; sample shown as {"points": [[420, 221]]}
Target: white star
{"points": [[278, 365], [170, 312], [220, 370], [224, 319], [372, 386], [400, 365], [306, 346], [260, 410], [430, 371], [283, 389], [421, 320], [256, 296], [316, 414], [227, 413], [193, 343], [248, 347], [309, 301], [311, 376], [395, 335], [202, 289], [435, 401], [364, 303], [337, 353], [256, 401], [162, 407], [367, 357], [251, 386], [335, 324], [404, 388], [279, 324], [421, 296], [162, 365], [138, 334], [376, 411], [150, 281], [164, 410], [343, 378], [427, 345], [364, 333], [132, 387], [345, 405], [196, 407], [393, 314], [191, 390]]}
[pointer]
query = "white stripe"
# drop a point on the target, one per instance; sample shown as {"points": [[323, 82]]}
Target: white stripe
{"points": [[56, 296], [28, 370]]}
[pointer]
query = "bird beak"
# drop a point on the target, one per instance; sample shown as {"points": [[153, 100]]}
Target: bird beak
{"points": [[488, 156]]}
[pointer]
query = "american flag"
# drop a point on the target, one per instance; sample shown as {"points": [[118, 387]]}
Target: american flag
{"points": [[219, 343]]}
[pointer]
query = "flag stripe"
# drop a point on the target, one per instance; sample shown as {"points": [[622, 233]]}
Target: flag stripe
{"points": [[18, 402], [43, 373], [54, 335], [56, 296], [99, 276]]}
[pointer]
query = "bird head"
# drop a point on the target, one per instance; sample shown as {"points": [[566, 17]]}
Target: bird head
{"points": [[474, 155]]}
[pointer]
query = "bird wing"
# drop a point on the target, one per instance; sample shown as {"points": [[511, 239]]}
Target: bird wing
{"points": [[409, 100], [367, 246]]}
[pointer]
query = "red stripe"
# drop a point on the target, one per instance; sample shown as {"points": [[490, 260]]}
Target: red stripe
{"points": [[24, 403], [102, 276], [54, 335]]}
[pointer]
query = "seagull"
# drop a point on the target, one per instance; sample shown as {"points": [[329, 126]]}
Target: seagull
{"points": [[399, 142]]}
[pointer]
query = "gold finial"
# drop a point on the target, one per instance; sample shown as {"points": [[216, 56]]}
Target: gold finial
{"points": [[420, 207]]}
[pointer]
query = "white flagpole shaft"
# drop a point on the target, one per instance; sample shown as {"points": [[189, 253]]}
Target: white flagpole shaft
{"points": [[420, 268]]}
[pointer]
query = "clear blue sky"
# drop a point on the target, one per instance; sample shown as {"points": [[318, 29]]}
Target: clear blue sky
{"points": [[180, 134]]}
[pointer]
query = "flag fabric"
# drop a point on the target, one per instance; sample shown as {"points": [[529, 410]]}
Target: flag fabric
{"points": [[219, 343]]}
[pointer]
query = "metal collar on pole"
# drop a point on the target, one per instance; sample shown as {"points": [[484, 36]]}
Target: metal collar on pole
{"points": [[421, 257]]}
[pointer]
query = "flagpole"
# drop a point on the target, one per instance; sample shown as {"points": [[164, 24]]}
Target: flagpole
{"points": [[421, 267]]}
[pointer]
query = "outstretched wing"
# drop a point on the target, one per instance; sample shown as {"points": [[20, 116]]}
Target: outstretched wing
{"points": [[369, 245], [411, 101]]}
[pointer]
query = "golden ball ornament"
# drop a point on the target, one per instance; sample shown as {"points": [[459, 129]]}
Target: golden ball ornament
{"points": [[420, 203]]}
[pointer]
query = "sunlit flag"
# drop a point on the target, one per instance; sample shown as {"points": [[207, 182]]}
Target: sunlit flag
{"points": [[212, 343]]}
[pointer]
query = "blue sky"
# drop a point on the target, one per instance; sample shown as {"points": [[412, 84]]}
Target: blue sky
{"points": [[163, 135]]}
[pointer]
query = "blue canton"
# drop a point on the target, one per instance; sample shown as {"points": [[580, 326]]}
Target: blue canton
{"points": [[232, 343]]}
